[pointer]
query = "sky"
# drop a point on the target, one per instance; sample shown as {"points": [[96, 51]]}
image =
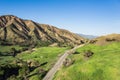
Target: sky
{"points": [[91, 17]]}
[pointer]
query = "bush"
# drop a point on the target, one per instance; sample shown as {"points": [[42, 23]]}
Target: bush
{"points": [[42, 43], [93, 41], [7, 71], [13, 77], [68, 62], [110, 39], [76, 52], [88, 53]]}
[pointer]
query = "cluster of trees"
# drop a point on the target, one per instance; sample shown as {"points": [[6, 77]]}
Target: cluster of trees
{"points": [[13, 51], [110, 39], [20, 72], [4, 42]]}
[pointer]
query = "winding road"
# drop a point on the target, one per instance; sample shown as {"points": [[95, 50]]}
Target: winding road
{"points": [[58, 64]]}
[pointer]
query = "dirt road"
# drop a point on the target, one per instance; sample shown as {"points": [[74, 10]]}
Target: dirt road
{"points": [[58, 64]]}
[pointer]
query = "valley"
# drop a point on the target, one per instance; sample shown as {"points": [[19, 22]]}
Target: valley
{"points": [[34, 51], [34, 63]]}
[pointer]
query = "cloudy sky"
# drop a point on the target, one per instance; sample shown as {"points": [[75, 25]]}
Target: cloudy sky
{"points": [[92, 17]]}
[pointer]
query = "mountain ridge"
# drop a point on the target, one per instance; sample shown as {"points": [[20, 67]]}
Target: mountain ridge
{"points": [[17, 30], [88, 36]]}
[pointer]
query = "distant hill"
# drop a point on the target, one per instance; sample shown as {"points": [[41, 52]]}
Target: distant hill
{"points": [[88, 36], [17, 31], [106, 39]]}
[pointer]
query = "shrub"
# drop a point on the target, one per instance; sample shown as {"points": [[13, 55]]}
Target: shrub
{"points": [[76, 52], [13, 77], [13, 51], [88, 53], [110, 39], [93, 41], [68, 62]]}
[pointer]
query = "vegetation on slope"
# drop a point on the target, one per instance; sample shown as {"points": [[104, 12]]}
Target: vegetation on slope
{"points": [[11, 50], [31, 64], [43, 55], [15, 30], [102, 65]]}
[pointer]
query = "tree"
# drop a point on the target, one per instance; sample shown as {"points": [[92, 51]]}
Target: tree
{"points": [[13, 51]]}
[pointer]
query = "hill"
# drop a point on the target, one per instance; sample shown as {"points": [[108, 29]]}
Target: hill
{"points": [[106, 39], [102, 65], [15, 30], [88, 36]]}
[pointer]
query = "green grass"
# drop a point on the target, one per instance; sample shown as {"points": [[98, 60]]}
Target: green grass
{"points": [[43, 54], [103, 65], [8, 48], [4, 50], [40, 55], [4, 60]]}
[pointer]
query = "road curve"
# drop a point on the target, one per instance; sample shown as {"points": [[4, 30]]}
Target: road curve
{"points": [[58, 64]]}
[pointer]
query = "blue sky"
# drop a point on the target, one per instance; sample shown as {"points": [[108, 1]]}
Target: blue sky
{"points": [[92, 17]]}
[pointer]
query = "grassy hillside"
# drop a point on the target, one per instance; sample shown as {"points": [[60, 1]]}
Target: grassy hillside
{"points": [[6, 49], [31, 64], [43, 55], [102, 40], [104, 64]]}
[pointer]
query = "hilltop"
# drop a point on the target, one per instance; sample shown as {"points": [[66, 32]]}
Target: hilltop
{"points": [[102, 40]]}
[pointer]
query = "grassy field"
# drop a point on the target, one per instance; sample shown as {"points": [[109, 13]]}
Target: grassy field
{"points": [[43, 56], [103, 65], [47, 55]]}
